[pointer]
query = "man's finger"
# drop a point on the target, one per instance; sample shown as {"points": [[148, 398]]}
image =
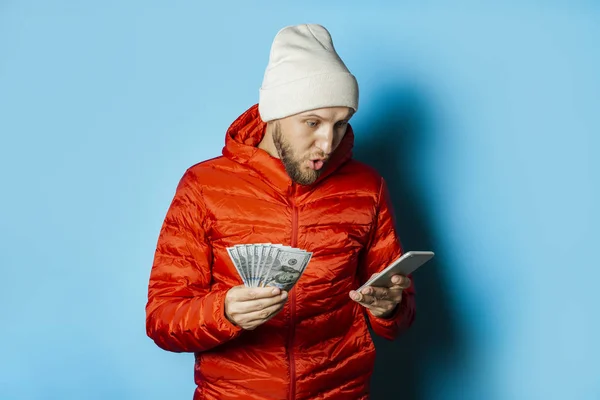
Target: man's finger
{"points": [[401, 281], [260, 304], [364, 299], [393, 294], [249, 294], [263, 315], [371, 302]]}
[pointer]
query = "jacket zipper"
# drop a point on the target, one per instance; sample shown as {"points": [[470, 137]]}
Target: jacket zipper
{"points": [[292, 391]]}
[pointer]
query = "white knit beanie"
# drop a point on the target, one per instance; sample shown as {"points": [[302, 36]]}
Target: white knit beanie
{"points": [[305, 73]]}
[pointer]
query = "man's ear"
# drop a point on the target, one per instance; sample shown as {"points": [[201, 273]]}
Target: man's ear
{"points": [[271, 125]]}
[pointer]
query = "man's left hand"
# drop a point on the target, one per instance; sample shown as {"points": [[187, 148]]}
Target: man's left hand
{"points": [[382, 301]]}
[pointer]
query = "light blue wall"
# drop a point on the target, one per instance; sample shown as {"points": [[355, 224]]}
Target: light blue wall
{"points": [[103, 105]]}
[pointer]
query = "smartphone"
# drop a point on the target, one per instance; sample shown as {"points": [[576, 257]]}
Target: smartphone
{"points": [[404, 265]]}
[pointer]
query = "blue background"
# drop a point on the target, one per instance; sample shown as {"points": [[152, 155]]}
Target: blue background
{"points": [[485, 118]]}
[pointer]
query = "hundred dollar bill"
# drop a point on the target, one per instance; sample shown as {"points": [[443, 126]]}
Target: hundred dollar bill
{"points": [[250, 264], [287, 267], [256, 256], [244, 262], [297, 250], [267, 263], [263, 249], [235, 258]]}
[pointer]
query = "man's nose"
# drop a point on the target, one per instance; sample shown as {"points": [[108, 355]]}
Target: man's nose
{"points": [[325, 140]]}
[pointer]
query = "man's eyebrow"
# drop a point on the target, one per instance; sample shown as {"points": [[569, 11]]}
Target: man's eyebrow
{"points": [[320, 117], [312, 115]]}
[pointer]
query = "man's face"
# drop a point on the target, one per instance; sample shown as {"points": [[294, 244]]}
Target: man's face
{"points": [[306, 141]]}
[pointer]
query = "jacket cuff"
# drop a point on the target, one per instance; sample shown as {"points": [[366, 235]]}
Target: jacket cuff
{"points": [[217, 324], [402, 318]]}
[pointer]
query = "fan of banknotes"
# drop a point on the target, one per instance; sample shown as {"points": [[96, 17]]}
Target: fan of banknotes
{"points": [[266, 264]]}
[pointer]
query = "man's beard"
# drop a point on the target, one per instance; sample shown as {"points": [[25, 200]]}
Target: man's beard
{"points": [[293, 165]]}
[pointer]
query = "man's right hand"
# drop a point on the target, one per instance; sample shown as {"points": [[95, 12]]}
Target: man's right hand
{"points": [[250, 307]]}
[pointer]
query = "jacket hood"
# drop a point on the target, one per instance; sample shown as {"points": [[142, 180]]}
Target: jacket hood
{"points": [[246, 132]]}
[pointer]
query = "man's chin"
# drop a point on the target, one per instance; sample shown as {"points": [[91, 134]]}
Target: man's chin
{"points": [[310, 179], [302, 174], [305, 179]]}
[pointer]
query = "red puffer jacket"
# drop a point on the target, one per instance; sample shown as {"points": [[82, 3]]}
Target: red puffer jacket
{"points": [[319, 345]]}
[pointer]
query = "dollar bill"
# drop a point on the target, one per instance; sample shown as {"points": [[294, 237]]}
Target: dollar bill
{"points": [[235, 258], [256, 255], [244, 264], [263, 251], [265, 261], [250, 259], [271, 254], [286, 268]]}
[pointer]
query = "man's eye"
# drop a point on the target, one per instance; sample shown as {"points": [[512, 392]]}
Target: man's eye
{"points": [[342, 124], [312, 124]]}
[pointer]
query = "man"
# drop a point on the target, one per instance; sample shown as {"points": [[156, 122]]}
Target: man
{"points": [[286, 176]]}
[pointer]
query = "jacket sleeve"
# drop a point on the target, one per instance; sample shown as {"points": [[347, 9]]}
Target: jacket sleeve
{"points": [[183, 314], [385, 247]]}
